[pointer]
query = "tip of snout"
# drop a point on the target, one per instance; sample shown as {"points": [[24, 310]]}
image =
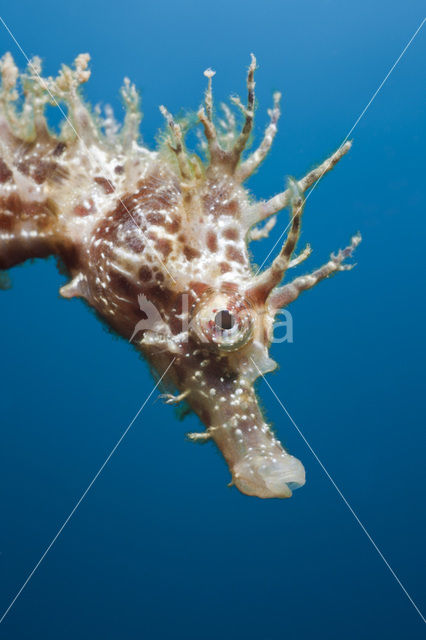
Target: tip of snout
{"points": [[269, 477]]}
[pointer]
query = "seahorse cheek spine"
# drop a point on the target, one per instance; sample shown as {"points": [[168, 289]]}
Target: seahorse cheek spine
{"points": [[160, 234]]}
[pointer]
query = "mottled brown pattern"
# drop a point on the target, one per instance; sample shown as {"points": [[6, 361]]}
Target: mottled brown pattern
{"points": [[218, 199], [81, 210], [174, 225], [155, 218], [190, 253], [198, 287], [135, 242], [164, 246], [224, 267], [231, 233], [145, 273], [7, 222], [142, 209], [45, 169], [37, 217], [230, 287], [106, 185], [234, 254], [162, 297], [175, 325], [41, 169], [12, 203], [5, 173], [212, 241], [24, 167], [59, 149], [42, 214], [122, 285], [230, 208]]}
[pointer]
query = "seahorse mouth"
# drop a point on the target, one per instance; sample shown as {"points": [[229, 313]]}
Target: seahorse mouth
{"points": [[266, 476]]}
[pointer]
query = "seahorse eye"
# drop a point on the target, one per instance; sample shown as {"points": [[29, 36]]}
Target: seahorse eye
{"points": [[224, 321]]}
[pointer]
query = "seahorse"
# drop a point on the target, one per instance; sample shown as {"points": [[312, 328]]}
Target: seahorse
{"points": [[168, 228]]}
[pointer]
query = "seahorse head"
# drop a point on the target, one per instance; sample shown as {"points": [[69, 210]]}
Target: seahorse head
{"points": [[218, 310], [156, 242], [215, 307], [217, 318]]}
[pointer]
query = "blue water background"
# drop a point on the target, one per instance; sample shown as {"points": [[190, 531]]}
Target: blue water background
{"points": [[161, 548]]}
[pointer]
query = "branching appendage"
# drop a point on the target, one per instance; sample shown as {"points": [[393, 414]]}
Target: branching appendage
{"points": [[49, 181], [38, 91], [178, 146], [226, 149], [206, 118], [248, 112], [65, 88], [250, 165], [262, 210], [282, 296], [169, 398], [301, 257], [218, 155], [258, 233], [133, 116], [203, 436], [209, 74], [270, 278], [228, 125]]}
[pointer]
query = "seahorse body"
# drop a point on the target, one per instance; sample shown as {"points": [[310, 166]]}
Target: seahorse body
{"points": [[136, 227]]}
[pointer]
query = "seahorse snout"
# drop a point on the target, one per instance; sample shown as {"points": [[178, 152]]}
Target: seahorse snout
{"points": [[259, 464]]}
